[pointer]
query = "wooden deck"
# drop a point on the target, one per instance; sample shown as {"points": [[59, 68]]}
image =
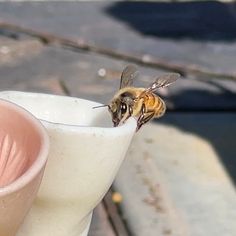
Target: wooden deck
{"points": [[179, 175]]}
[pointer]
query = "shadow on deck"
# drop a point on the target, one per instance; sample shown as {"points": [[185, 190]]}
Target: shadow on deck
{"points": [[207, 20]]}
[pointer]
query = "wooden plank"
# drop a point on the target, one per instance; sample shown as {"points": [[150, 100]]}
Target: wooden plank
{"points": [[79, 73], [100, 225], [12, 51], [113, 17], [114, 215], [173, 181]]}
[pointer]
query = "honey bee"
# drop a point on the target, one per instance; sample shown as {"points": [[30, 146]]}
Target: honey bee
{"points": [[141, 103]]}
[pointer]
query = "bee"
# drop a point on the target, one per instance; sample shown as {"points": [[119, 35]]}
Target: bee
{"points": [[141, 103]]}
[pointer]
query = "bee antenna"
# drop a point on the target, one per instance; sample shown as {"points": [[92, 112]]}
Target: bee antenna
{"points": [[101, 106]]}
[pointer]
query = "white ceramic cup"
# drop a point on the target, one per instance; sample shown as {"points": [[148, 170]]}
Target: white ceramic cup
{"points": [[24, 146], [85, 155]]}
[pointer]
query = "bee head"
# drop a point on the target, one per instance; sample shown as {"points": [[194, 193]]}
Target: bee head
{"points": [[119, 110]]}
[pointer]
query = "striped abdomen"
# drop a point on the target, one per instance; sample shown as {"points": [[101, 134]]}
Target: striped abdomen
{"points": [[154, 103]]}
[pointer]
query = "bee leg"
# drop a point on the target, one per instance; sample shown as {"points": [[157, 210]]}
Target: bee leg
{"points": [[141, 118], [144, 117]]}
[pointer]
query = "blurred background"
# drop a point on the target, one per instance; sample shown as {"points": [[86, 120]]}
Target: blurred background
{"points": [[179, 175]]}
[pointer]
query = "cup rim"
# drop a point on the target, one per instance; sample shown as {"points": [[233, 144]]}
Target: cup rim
{"points": [[39, 163], [128, 127]]}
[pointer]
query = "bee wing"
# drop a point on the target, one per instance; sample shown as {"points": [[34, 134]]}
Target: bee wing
{"points": [[163, 81], [128, 75]]}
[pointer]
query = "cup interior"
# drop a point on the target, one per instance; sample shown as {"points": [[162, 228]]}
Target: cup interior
{"points": [[62, 110], [20, 142]]}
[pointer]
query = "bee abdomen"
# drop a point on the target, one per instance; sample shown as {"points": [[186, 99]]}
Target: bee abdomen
{"points": [[160, 107]]}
